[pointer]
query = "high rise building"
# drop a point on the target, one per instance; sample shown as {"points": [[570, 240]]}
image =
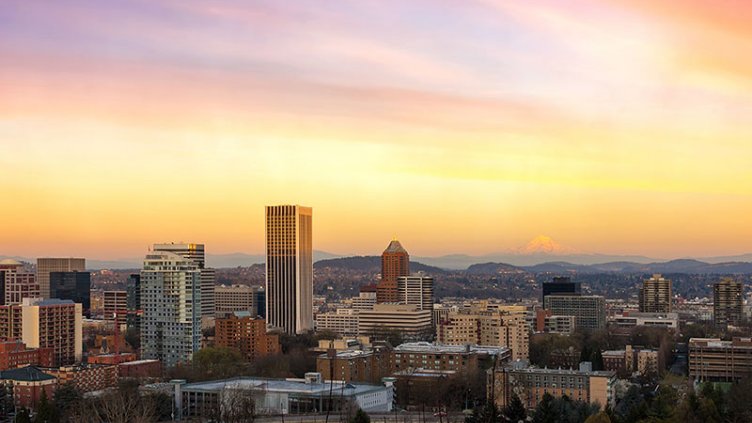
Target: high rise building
{"points": [[229, 299], [133, 300], [171, 304], [561, 286], [416, 289], [655, 295], [728, 302], [589, 311], [505, 329], [17, 282], [115, 304], [395, 262], [47, 265], [56, 324], [289, 268], [74, 286], [196, 252]]}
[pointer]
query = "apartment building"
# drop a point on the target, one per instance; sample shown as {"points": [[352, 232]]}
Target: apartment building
{"points": [[247, 334], [56, 324], [499, 328], [343, 321]]}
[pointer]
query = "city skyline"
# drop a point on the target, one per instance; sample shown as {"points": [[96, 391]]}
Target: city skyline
{"points": [[465, 127]]}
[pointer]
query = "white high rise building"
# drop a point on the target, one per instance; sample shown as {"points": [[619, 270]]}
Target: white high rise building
{"points": [[289, 268], [171, 303], [416, 289], [196, 252]]}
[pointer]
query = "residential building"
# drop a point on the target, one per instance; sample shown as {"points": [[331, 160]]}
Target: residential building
{"points": [[487, 328], [560, 286], [713, 360], [10, 322], [368, 365], [530, 384], [247, 334], [589, 311], [27, 384], [196, 253], [655, 295], [416, 289], [17, 282], [625, 362], [74, 286], [343, 321], [437, 357], [15, 354], [115, 304], [289, 268], [395, 262], [47, 265], [407, 320], [171, 303], [728, 302], [86, 377], [564, 325], [56, 324]]}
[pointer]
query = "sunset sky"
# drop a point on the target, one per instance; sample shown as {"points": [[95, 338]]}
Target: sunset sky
{"points": [[468, 126]]}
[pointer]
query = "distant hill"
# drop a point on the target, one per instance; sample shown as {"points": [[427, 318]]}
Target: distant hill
{"points": [[492, 268], [372, 264]]}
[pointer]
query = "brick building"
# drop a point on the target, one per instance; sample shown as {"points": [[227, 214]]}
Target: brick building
{"points": [[10, 322], [86, 377], [15, 354], [395, 262], [55, 324], [247, 334], [28, 384]]}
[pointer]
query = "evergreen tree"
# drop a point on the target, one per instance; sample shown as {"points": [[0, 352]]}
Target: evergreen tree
{"points": [[66, 397], [601, 417], [360, 417], [515, 411], [22, 416], [546, 411], [46, 412]]}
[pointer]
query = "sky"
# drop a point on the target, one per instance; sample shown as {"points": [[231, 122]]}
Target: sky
{"points": [[473, 126]]}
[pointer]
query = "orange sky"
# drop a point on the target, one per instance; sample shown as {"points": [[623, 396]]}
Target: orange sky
{"points": [[618, 126]]}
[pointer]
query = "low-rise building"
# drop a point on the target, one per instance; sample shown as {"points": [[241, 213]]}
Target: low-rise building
{"points": [[343, 321], [28, 383], [139, 369], [461, 358], [530, 384], [369, 365], [15, 354], [489, 328], [629, 360], [281, 396], [407, 320], [632, 319], [563, 325], [713, 360], [86, 377]]}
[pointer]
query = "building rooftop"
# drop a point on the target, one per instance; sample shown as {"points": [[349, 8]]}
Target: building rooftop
{"points": [[289, 386], [138, 362], [395, 247], [26, 374], [572, 372], [10, 262], [46, 301], [428, 347]]}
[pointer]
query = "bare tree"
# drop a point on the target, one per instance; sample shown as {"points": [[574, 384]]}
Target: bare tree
{"points": [[123, 407], [237, 405]]}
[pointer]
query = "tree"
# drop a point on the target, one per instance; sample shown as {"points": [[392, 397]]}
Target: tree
{"points": [[238, 405], [7, 406], [360, 417], [601, 417], [515, 411], [217, 363], [22, 416], [66, 397], [46, 412], [546, 411]]}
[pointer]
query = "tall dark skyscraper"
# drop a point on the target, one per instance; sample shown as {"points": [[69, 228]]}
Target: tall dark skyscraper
{"points": [[75, 286], [561, 286], [289, 268], [395, 263], [728, 302]]}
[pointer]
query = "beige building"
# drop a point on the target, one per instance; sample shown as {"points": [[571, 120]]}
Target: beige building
{"points": [[505, 327], [655, 295], [530, 384], [56, 324], [713, 360], [229, 299], [18, 282], [408, 320], [416, 289], [289, 268], [47, 265], [343, 321]]}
